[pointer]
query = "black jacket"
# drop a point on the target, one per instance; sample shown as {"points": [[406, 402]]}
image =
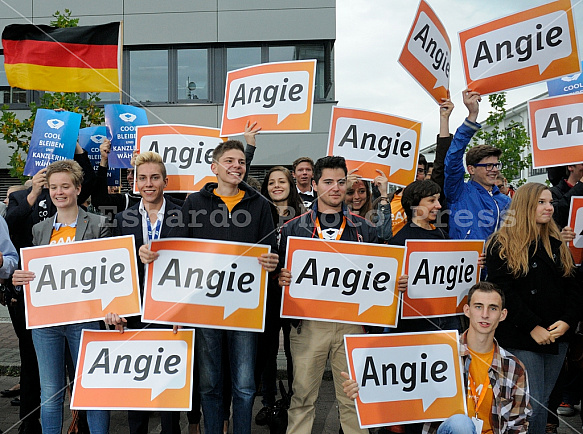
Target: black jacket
{"points": [[21, 217], [204, 215], [541, 297], [562, 194]]}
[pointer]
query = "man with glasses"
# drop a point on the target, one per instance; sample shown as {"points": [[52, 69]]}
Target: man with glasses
{"points": [[476, 207]]}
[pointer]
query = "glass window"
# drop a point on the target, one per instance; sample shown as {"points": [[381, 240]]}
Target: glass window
{"points": [[240, 57], [10, 95], [193, 74], [149, 76], [303, 52]]}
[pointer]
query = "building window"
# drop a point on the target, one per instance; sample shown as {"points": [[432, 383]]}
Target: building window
{"points": [[240, 57], [303, 52], [172, 74], [193, 74], [148, 76]]}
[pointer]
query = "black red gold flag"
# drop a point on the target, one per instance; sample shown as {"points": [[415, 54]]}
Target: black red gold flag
{"points": [[71, 59]]}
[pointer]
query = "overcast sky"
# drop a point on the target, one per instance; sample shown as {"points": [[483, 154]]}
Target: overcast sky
{"points": [[369, 38]]}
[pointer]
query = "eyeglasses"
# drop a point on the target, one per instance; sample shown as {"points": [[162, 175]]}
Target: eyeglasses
{"points": [[420, 170], [490, 166]]}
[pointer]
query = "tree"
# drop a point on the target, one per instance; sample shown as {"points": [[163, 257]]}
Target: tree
{"points": [[17, 132], [513, 139]]}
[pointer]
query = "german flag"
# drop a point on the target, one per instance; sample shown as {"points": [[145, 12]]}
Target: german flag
{"points": [[71, 59]]}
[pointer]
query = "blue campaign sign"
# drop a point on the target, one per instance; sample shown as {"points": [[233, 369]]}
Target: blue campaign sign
{"points": [[90, 139], [54, 137], [121, 122], [568, 84]]}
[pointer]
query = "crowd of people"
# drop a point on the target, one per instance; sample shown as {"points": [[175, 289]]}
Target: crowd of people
{"points": [[515, 330]]}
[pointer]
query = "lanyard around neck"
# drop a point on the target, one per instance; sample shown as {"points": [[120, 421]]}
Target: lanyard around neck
{"points": [[338, 235], [155, 233]]}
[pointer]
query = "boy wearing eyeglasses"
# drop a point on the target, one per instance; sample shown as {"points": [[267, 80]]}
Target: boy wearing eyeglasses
{"points": [[477, 206]]}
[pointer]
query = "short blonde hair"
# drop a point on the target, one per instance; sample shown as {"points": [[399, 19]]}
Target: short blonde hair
{"points": [[69, 166], [150, 157]]}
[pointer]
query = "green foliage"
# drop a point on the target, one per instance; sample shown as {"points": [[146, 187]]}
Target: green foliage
{"points": [[513, 139], [63, 20], [17, 132]]}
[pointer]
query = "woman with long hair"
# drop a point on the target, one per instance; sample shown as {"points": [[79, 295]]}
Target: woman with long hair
{"points": [[359, 198], [279, 188], [535, 269], [359, 201]]}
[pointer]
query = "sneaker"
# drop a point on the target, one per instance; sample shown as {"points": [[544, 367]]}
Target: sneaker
{"points": [[263, 416], [551, 428], [566, 409]]}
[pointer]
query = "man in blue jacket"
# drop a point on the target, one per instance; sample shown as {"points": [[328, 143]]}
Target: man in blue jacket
{"points": [[477, 206]]}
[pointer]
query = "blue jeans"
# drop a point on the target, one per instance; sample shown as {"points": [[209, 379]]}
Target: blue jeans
{"points": [[242, 347], [49, 343], [457, 424], [543, 371]]}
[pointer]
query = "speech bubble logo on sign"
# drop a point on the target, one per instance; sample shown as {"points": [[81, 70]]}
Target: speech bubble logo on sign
{"points": [[557, 130], [426, 54], [187, 152], [101, 276], [81, 281], [440, 276], [154, 365], [436, 274], [532, 46], [406, 378], [279, 96], [370, 141], [392, 374], [145, 369], [342, 281], [337, 278], [215, 284], [226, 281]]}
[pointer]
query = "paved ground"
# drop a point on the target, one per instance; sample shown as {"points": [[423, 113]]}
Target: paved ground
{"points": [[326, 407]]}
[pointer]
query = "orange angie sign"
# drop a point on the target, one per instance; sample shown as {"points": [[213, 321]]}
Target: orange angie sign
{"points": [[137, 370], [426, 54], [187, 152], [406, 377], [440, 276], [528, 47], [278, 96], [371, 141], [81, 281], [214, 284], [341, 281]]}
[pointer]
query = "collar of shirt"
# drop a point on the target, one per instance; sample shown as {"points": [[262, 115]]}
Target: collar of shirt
{"points": [[144, 214], [57, 226], [309, 193]]}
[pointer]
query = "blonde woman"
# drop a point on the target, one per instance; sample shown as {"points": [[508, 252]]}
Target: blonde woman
{"points": [[532, 265]]}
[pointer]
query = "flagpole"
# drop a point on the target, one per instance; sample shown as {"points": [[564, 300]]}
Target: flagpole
{"points": [[121, 62]]}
